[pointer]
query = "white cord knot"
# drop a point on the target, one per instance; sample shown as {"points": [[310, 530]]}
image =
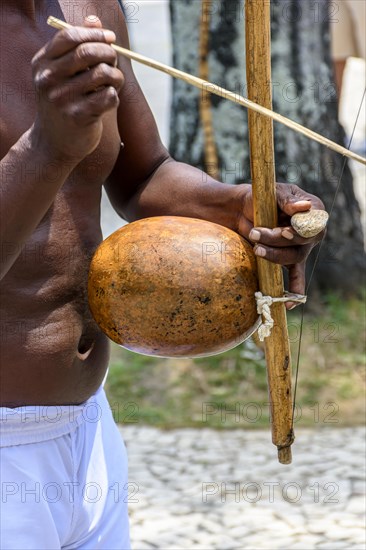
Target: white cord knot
{"points": [[264, 308]]}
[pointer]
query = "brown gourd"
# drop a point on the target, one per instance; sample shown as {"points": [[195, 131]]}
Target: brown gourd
{"points": [[174, 287]]}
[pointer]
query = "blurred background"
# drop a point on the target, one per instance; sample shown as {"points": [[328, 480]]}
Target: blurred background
{"points": [[203, 471]]}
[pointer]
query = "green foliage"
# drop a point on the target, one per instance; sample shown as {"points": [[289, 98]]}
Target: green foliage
{"points": [[230, 390]]}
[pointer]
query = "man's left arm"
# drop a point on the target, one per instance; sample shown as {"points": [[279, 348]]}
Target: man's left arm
{"points": [[146, 181]]}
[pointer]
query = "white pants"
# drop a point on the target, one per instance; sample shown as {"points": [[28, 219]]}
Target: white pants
{"points": [[63, 478]]}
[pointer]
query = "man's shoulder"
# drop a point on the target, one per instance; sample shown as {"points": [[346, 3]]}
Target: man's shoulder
{"points": [[110, 12]]}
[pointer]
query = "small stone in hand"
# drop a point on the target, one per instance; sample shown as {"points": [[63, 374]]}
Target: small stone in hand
{"points": [[310, 223]]}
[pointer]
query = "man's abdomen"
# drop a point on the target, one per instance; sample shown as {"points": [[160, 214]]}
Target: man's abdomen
{"points": [[52, 351]]}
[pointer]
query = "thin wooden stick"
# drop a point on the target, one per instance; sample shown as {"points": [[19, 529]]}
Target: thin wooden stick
{"points": [[277, 347], [208, 87]]}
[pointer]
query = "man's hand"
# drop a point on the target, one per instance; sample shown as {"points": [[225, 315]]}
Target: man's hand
{"points": [[78, 82], [282, 245]]}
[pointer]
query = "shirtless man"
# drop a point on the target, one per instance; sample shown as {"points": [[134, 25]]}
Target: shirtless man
{"points": [[63, 475]]}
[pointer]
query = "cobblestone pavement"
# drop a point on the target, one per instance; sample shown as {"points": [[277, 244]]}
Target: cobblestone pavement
{"points": [[205, 489]]}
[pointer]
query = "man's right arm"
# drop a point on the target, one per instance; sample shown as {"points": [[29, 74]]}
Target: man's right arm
{"points": [[30, 180], [77, 83]]}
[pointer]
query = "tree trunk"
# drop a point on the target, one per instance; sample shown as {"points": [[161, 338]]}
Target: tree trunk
{"points": [[303, 89]]}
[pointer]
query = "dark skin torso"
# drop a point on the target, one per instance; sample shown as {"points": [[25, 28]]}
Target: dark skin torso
{"points": [[47, 328]]}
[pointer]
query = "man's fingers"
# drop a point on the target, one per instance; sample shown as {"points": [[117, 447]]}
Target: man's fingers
{"points": [[93, 21], [245, 226], [291, 199], [78, 60], [93, 106], [66, 40], [85, 56], [101, 76], [278, 237], [102, 101], [283, 256], [296, 282], [283, 245]]}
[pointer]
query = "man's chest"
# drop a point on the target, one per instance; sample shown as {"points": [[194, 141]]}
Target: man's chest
{"points": [[20, 41]]}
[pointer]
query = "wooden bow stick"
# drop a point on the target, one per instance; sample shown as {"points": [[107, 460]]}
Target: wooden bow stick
{"points": [[277, 347], [208, 87]]}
